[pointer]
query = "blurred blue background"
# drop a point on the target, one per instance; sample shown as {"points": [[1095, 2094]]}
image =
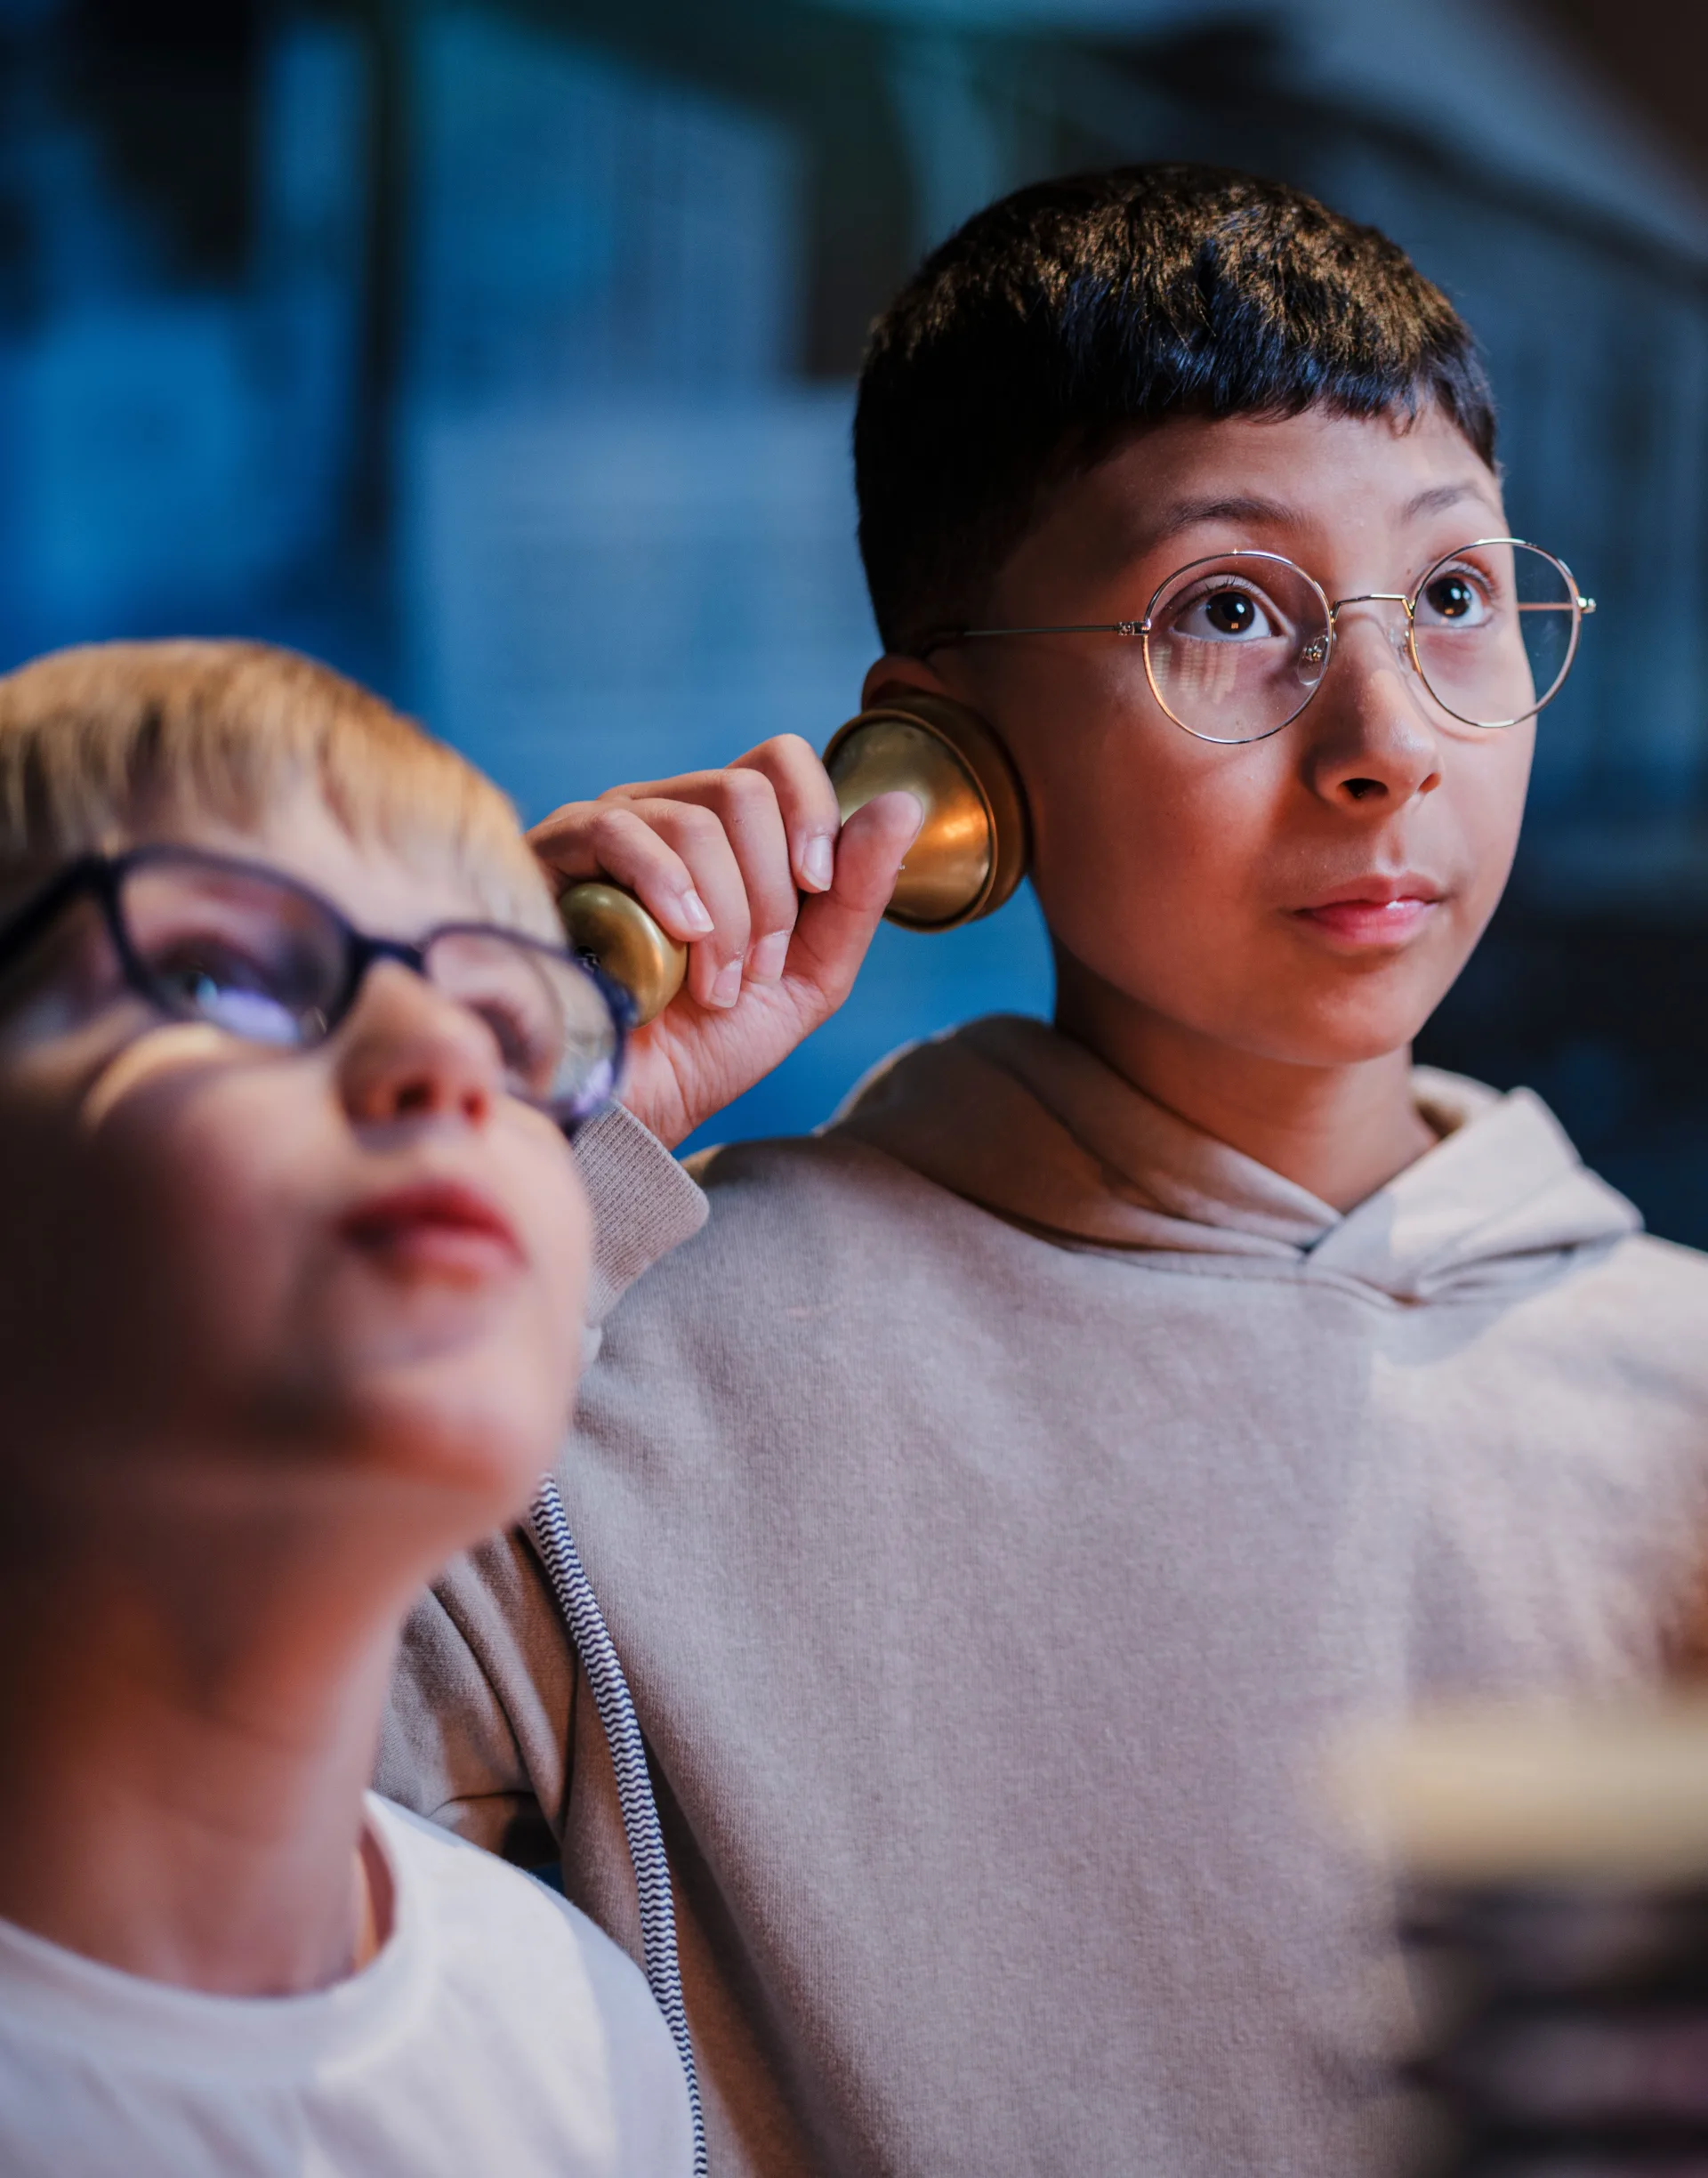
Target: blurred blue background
{"points": [[502, 355]]}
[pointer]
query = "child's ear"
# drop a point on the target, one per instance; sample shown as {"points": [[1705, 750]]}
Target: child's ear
{"points": [[892, 670]]}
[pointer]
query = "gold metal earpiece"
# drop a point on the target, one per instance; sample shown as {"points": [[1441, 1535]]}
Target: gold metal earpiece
{"points": [[972, 849], [971, 853], [612, 930]]}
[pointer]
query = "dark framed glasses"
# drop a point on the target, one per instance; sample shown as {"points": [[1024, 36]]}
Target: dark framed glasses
{"points": [[208, 938], [1236, 644]]}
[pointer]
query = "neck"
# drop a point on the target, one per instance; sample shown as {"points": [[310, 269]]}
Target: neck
{"points": [[1340, 1132], [188, 1797]]}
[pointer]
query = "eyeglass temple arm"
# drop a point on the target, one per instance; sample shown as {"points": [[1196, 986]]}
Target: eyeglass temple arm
{"points": [[1078, 627], [34, 915]]}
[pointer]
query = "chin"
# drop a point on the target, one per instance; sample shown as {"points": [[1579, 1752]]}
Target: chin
{"points": [[485, 1433], [1351, 1037], [1351, 1020]]}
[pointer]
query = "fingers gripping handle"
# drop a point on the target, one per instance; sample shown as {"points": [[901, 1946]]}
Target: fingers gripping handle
{"points": [[971, 853]]}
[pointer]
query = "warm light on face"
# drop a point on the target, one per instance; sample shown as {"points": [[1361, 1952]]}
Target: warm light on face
{"points": [[365, 1258], [1313, 615]]}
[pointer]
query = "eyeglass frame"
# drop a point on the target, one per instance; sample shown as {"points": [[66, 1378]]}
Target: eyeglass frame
{"points": [[102, 877], [1580, 608]]}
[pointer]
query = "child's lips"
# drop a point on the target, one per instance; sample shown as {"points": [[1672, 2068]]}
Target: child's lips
{"points": [[435, 1226], [1374, 912]]}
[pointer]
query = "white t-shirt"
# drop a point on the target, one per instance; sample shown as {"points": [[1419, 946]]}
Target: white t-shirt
{"points": [[497, 2030]]}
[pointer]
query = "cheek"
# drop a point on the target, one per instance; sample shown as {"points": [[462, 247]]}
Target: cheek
{"points": [[1488, 783], [1138, 843], [560, 1241], [159, 1268], [214, 1232]]}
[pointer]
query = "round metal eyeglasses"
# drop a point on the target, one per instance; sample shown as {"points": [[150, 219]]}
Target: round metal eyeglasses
{"points": [[1236, 644], [252, 951]]}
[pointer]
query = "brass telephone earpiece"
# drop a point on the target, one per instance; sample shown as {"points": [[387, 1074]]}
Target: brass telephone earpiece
{"points": [[971, 852]]}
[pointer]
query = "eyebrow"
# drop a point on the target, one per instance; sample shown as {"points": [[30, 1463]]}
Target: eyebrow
{"points": [[1439, 498], [1239, 507], [1250, 507]]}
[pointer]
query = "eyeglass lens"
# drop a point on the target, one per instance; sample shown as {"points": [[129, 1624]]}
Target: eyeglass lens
{"points": [[232, 947], [263, 961], [1238, 644], [1493, 628], [547, 1016]]}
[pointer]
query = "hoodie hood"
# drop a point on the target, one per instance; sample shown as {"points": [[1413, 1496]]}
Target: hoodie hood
{"points": [[1011, 1115]]}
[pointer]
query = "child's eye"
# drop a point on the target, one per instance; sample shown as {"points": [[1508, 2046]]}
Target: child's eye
{"points": [[1454, 599], [219, 983], [522, 1047], [193, 967], [1226, 615]]}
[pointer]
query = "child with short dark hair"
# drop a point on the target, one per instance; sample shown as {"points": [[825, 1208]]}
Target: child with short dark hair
{"points": [[293, 1254], [1008, 1492]]}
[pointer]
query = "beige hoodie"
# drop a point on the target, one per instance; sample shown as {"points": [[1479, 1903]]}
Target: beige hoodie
{"points": [[997, 1506]]}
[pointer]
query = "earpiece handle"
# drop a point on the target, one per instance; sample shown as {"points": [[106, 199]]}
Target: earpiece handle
{"points": [[971, 850], [612, 930]]}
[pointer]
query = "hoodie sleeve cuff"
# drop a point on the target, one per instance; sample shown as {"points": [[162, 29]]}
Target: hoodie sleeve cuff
{"points": [[644, 1204]]}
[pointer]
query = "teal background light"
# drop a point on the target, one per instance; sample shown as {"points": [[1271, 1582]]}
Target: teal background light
{"points": [[502, 351]]}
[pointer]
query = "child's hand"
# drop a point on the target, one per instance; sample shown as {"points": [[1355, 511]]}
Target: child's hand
{"points": [[751, 869]]}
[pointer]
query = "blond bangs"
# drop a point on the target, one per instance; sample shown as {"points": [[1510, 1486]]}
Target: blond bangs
{"points": [[98, 740]]}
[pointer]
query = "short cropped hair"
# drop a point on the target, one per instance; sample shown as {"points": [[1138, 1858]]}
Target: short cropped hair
{"points": [[1058, 322], [98, 741]]}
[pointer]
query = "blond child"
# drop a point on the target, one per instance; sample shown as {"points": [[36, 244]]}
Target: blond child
{"points": [[293, 1246]]}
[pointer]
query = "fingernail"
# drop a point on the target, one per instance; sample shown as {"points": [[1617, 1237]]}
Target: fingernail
{"points": [[726, 987], [765, 960], [694, 911], [818, 863]]}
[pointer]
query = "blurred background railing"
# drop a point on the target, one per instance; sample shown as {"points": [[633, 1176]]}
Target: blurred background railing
{"points": [[502, 354]]}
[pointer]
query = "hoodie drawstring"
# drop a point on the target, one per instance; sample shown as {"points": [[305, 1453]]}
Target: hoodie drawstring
{"points": [[616, 1707]]}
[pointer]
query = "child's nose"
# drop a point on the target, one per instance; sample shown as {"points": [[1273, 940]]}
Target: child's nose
{"points": [[1369, 744], [407, 1051]]}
